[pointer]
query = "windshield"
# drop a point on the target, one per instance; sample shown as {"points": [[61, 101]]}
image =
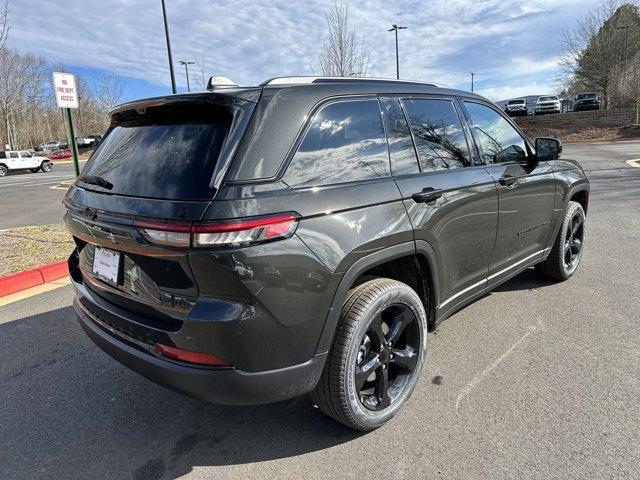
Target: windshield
{"points": [[167, 152], [516, 102], [582, 96], [547, 99]]}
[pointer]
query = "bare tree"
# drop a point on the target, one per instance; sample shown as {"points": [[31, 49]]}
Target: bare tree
{"points": [[595, 48], [201, 76], [108, 93], [342, 54], [4, 23]]}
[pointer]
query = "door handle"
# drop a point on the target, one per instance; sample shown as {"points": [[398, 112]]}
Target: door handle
{"points": [[507, 180], [428, 194]]}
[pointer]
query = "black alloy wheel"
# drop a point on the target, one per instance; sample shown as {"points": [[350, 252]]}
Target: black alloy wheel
{"points": [[573, 242], [387, 357], [377, 354]]}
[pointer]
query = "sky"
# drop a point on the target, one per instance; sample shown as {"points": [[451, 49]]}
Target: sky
{"points": [[513, 47]]}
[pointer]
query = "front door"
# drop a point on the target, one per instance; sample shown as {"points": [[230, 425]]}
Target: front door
{"points": [[526, 190], [452, 204]]}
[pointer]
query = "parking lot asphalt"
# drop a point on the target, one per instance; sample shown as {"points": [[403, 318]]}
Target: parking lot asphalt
{"points": [[535, 380], [27, 198]]}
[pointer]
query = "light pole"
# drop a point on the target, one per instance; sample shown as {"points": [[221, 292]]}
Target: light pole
{"points": [[626, 45], [166, 32], [186, 70], [395, 28], [472, 75]]}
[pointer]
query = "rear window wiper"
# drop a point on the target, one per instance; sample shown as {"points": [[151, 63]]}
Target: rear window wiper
{"points": [[96, 180]]}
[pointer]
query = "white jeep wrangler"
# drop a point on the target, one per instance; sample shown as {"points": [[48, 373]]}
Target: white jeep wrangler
{"points": [[23, 160]]}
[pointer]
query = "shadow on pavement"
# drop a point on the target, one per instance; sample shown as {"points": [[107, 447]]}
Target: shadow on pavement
{"points": [[70, 411]]}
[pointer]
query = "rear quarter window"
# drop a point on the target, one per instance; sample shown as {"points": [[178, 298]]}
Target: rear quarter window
{"points": [[344, 142]]}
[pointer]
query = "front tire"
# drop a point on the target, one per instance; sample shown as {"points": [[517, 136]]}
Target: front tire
{"points": [[566, 252], [46, 167], [376, 357]]}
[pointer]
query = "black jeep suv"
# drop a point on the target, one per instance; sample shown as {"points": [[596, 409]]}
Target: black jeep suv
{"points": [[248, 245]]}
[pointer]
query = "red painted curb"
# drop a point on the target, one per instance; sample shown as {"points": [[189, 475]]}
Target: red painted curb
{"points": [[32, 278]]}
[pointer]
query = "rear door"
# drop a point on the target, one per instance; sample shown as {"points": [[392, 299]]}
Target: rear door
{"points": [[526, 189], [452, 203], [13, 161]]}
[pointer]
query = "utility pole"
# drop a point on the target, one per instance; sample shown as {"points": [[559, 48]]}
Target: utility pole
{"points": [[186, 71], [395, 28], [472, 75], [166, 32]]}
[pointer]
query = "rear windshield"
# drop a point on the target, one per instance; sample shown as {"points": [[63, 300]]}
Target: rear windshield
{"points": [[167, 152]]}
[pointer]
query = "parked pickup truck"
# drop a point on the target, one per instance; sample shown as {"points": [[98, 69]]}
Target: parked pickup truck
{"points": [[23, 160]]}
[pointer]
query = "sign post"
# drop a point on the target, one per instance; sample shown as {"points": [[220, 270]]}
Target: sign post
{"points": [[64, 85]]}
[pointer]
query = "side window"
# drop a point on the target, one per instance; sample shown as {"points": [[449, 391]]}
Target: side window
{"points": [[401, 150], [438, 134], [25, 154], [345, 142], [13, 155], [499, 141]]}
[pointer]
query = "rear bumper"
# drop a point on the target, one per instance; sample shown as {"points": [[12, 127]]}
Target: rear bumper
{"points": [[223, 385]]}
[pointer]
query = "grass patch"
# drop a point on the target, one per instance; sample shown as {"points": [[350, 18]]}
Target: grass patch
{"points": [[30, 247]]}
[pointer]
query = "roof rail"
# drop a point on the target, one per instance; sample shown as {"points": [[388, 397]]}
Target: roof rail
{"points": [[301, 80]]}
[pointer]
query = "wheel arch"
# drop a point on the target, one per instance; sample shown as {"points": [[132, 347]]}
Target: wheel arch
{"points": [[580, 194], [420, 253]]}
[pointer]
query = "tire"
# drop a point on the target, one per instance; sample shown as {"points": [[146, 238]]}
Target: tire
{"points": [[46, 167], [3, 171], [566, 253], [361, 343]]}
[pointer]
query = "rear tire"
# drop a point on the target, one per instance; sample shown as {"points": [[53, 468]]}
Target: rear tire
{"points": [[376, 357], [565, 255], [3, 171]]}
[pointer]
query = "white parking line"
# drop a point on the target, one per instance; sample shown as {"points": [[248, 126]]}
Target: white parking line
{"points": [[634, 163]]}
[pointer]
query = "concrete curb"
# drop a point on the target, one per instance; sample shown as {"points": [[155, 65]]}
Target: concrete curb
{"points": [[31, 278]]}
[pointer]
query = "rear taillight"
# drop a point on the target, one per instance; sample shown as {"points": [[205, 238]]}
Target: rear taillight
{"points": [[228, 233], [190, 356]]}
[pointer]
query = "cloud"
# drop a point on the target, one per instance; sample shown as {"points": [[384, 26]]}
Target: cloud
{"points": [[504, 42], [505, 92]]}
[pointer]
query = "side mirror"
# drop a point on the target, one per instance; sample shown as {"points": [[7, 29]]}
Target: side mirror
{"points": [[548, 149]]}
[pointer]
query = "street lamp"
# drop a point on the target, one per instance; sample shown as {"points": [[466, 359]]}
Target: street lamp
{"points": [[186, 70], [166, 33], [395, 28], [472, 75], [626, 45]]}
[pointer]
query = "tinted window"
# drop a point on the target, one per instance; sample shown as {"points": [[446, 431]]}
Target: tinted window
{"points": [[345, 142], [499, 141], [13, 155], [166, 152], [403, 155], [438, 134]]}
